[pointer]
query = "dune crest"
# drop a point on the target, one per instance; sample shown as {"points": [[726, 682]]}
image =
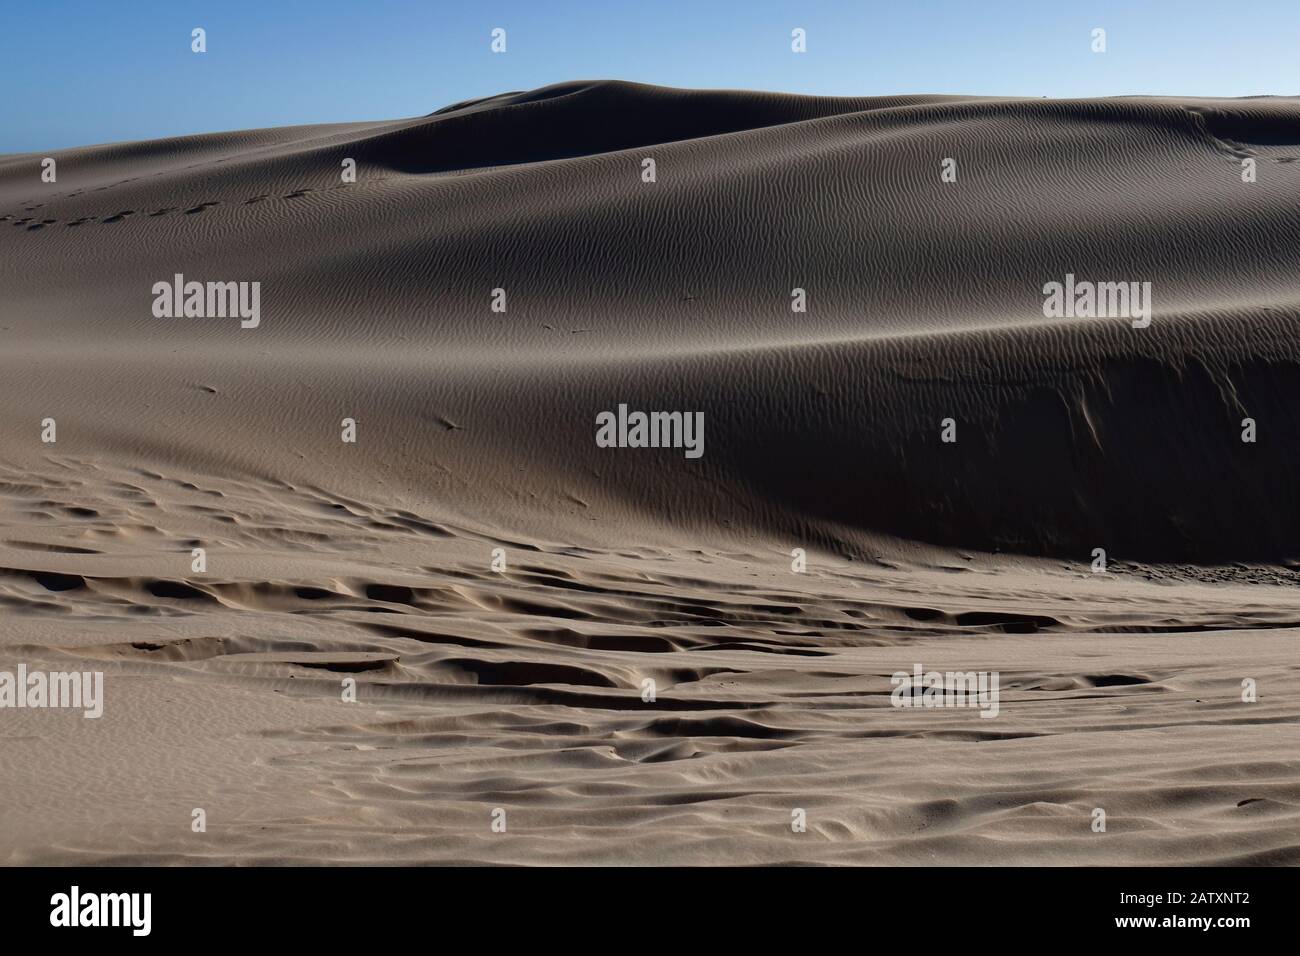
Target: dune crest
{"points": [[1072, 433]]}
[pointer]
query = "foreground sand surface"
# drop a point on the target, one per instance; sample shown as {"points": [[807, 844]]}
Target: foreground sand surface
{"points": [[521, 688]]}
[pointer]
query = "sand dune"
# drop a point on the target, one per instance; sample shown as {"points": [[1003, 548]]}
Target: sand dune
{"points": [[522, 688]]}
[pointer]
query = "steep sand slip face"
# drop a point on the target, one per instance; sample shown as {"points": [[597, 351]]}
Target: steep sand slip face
{"points": [[523, 688]]}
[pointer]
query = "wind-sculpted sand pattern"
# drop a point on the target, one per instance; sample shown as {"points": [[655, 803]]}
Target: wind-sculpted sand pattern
{"points": [[647, 655], [523, 691]]}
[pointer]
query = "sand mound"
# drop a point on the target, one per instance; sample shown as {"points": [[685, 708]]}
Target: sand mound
{"points": [[476, 430], [924, 298]]}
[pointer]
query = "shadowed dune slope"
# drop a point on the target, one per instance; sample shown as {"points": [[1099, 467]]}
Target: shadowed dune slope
{"points": [[501, 593], [924, 303]]}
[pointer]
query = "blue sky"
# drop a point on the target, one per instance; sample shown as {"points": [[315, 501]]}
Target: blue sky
{"points": [[78, 72]]}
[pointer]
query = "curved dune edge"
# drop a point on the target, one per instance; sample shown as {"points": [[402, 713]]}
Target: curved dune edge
{"points": [[925, 304]]}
